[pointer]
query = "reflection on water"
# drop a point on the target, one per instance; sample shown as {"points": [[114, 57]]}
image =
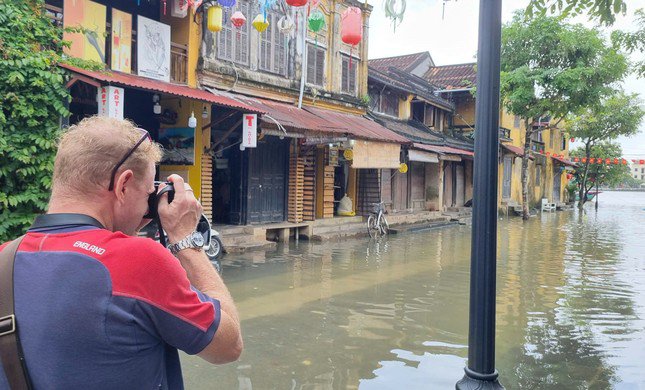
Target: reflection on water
{"points": [[393, 314]]}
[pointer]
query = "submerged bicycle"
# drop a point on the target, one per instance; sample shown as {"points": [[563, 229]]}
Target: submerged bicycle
{"points": [[376, 223]]}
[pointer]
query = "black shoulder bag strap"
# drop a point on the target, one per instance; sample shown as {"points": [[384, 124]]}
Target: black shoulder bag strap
{"points": [[13, 361]]}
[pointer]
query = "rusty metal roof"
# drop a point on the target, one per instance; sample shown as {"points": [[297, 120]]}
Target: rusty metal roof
{"points": [[138, 82], [564, 161], [357, 125], [443, 149], [453, 76], [515, 150]]}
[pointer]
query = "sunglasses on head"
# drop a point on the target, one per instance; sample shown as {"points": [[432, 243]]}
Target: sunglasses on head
{"points": [[145, 135]]}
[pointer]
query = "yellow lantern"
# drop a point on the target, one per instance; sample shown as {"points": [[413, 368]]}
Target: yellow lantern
{"points": [[214, 18], [260, 23], [403, 168], [348, 154]]}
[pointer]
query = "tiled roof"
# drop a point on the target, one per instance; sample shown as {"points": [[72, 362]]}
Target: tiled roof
{"points": [[410, 83], [405, 62], [453, 76], [412, 130]]}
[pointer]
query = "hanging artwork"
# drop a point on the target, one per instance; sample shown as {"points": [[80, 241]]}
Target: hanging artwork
{"points": [[89, 45], [121, 41], [153, 49], [178, 145], [214, 18], [260, 23]]}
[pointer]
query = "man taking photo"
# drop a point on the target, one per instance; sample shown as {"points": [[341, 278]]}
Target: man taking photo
{"points": [[98, 307]]}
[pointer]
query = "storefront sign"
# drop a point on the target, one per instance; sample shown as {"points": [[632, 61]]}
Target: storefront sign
{"points": [[110, 101], [250, 130], [153, 49]]}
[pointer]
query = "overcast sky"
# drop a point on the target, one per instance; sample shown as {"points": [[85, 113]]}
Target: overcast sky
{"points": [[453, 39]]}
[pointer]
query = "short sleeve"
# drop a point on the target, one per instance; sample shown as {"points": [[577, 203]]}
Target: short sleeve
{"points": [[167, 304]]}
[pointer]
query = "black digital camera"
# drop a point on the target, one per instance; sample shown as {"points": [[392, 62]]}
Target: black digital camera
{"points": [[153, 199]]}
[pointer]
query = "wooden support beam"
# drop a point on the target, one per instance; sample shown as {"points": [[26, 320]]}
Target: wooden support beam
{"points": [[220, 120], [229, 132]]}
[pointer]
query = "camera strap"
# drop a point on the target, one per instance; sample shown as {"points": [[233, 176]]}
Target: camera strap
{"points": [[13, 360]]}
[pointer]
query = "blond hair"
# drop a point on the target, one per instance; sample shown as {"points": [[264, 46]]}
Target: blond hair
{"points": [[89, 151]]}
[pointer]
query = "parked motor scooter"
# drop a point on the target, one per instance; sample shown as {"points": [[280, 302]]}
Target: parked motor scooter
{"points": [[212, 242]]}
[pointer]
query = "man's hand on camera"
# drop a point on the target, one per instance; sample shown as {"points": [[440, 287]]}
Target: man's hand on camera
{"points": [[179, 218]]}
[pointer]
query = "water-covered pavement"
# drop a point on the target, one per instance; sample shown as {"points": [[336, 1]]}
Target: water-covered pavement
{"points": [[393, 314]]}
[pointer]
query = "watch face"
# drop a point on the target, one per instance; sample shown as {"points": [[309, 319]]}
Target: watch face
{"points": [[197, 239]]}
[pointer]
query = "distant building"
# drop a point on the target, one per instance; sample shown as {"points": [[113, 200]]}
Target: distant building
{"points": [[638, 168]]}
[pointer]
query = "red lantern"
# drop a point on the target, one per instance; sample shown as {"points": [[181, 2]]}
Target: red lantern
{"points": [[641, 162], [592, 160], [624, 162], [608, 161], [548, 153], [569, 176], [297, 3], [238, 19], [351, 29], [616, 161], [576, 159], [572, 139], [600, 161]]}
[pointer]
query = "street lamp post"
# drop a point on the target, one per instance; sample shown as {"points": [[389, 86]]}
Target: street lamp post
{"points": [[481, 372]]}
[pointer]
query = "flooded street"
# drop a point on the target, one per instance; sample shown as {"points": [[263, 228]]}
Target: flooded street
{"points": [[393, 314]]}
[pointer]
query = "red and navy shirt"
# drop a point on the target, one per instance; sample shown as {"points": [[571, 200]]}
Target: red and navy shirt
{"points": [[102, 310]]}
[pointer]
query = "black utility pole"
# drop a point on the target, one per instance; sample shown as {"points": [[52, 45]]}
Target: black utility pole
{"points": [[480, 372]]}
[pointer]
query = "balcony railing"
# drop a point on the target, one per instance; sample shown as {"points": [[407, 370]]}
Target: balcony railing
{"points": [[536, 146]]}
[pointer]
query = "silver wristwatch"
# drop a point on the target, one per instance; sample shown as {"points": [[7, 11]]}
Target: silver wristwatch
{"points": [[193, 241]]}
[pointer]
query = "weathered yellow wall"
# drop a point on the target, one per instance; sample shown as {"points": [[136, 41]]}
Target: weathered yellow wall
{"points": [[201, 137], [405, 108]]}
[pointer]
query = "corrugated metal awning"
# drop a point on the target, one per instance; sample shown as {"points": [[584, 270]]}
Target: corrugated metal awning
{"points": [[516, 150], [146, 84], [444, 150], [418, 155]]}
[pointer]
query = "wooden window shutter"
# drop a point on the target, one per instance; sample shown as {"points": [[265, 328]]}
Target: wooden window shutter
{"points": [[352, 78], [311, 64], [344, 84], [320, 66]]}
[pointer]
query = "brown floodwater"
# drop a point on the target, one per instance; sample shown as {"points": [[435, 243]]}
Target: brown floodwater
{"points": [[393, 314]]}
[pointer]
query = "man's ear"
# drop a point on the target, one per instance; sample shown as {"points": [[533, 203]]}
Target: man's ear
{"points": [[123, 182]]}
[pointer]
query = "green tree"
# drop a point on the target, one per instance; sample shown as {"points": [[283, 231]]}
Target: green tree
{"points": [[553, 68], [599, 174], [633, 42], [617, 115], [33, 98], [602, 10]]}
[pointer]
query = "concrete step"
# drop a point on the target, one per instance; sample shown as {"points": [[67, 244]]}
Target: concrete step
{"points": [[228, 230], [250, 246], [421, 226], [337, 221], [339, 228]]}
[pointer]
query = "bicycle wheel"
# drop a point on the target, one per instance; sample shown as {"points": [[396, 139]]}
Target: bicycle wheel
{"points": [[384, 226], [372, 228]]}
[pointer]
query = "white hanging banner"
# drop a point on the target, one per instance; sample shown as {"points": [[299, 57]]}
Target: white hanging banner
{"points": [[179, 8], [250, 130], [110, 101]]}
